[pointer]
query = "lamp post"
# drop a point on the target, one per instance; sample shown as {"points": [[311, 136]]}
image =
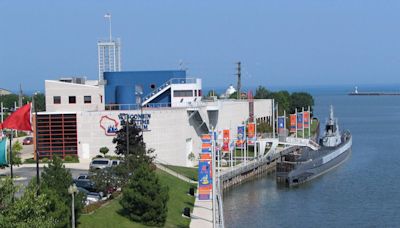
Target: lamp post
{"points": [[72, 189]]}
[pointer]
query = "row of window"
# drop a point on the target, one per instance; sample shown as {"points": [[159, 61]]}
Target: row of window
{"points": [[72, 99], [187, 93]]}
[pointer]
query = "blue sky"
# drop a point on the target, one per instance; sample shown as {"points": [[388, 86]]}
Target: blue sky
{"points": [[280, 43]]}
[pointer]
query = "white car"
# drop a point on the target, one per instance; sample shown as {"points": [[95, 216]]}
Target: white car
{"points": [[100, 163]]}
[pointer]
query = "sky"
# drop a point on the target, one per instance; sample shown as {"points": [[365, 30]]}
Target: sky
{"points": [[281, 43]]}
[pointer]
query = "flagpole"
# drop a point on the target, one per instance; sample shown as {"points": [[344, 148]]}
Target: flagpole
{"points": [[302, 116], [296, 121], [277, 117], [36, 144], [309, 123], [284, 121], [2, 113], [11, 156], [273, 118]]}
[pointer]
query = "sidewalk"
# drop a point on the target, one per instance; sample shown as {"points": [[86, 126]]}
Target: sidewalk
{"points": [[202, 214]]}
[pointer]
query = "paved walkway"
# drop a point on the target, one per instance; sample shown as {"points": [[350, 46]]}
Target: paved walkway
{"points": [[201, 216]]}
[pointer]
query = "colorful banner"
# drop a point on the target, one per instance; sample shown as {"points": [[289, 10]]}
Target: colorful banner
{"points": [[206, 143], [205, 180], [251, 133], [292, 123], [306, 119], [299, 120], [281, 124], [3, 151], [240, 136], [225, 141]]}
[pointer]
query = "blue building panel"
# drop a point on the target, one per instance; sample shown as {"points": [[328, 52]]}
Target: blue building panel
{"points": [[121, 86]]}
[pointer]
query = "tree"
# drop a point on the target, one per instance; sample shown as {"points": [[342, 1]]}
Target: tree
{"points": [[55, 181], [104, 150], [144, 199], [16, 152], [262, 93], [137, 148], [300, 100], [28, 211], [283, 99]]}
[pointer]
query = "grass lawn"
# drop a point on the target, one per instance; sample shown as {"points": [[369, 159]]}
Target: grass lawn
{"points": [[108, 215], [314, 126], [190, 173]]}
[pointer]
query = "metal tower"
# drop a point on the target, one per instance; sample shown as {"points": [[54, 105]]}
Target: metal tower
{"points": [[109, 53]]}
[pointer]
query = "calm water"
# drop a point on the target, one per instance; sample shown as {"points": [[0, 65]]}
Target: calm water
{"points": [[362, 192]]}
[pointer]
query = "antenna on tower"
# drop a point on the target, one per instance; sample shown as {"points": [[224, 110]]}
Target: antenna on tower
{"points": [[239, 82], [108, 16]]}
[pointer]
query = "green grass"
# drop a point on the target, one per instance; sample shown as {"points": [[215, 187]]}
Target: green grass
{"points": [[188, 172], [314, 126], [108, 216]]}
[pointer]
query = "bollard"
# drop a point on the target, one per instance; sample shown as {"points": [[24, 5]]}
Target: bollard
{"points": [[186, 212]]}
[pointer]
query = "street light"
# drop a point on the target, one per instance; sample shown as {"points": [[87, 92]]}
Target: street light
{"points": [[72, 189], [36, 140]]}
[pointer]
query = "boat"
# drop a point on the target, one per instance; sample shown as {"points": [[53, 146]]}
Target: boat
{"points": [[301, 163], [357, 93]]}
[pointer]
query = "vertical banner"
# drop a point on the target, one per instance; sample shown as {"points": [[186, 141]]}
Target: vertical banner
{"points": [[293, 123], [251, 133], [206, 143], [281, 124], [205, 180], [240, 136], [205, 168], [299, 120], [225, 141], [306, 117], [3, 151]]}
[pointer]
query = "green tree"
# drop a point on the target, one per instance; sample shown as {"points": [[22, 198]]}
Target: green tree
{"points": [[137, 147], [104, 150], [144, 199], [300, 100], [212, 93], [283, 99], [262, 93], [28, 211], [16, 153], [55, 181]]}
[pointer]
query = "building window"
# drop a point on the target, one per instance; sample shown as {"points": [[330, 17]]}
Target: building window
{"points": [[87, 99], [199, 93], [72, 99], [101, 99], [183, 93], [56, 100]]}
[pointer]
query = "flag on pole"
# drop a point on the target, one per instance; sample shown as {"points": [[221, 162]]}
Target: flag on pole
{"points": [[300, 120], [306, 117], [281, 124], [19, 120], [3, 151], [292, 123], [240, 136], [225, 140], [251, 133]]}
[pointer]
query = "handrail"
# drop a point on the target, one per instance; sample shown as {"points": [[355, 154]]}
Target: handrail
{"points": [[169, 82]]}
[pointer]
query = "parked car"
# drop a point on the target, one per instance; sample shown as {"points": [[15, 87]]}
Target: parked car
{"points": [[27, 141], [93, 197], [100, 163], [86, 184]]}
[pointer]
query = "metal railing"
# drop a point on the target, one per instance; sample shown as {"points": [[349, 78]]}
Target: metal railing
{"points": [[168, 83]]}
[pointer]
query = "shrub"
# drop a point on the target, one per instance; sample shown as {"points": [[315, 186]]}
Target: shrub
{"points": [[45, 160], [144, 199]]}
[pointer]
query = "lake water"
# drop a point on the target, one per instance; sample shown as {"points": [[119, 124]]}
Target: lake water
{"points": [[363, 192]]}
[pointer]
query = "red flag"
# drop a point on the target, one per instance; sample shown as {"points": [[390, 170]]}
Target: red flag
{"points": [[19, 120]]}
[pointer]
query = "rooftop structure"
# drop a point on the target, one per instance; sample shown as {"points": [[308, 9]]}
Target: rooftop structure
{"points": [[109, 53]]}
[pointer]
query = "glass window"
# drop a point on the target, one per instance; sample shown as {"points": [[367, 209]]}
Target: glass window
{"points": [[56, 100], [183, 93], [72, 99], [87, 99]]}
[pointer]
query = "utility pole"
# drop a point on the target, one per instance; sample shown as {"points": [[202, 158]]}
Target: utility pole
{"points": [[239, 82], [36, 143], [20, 96]]}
